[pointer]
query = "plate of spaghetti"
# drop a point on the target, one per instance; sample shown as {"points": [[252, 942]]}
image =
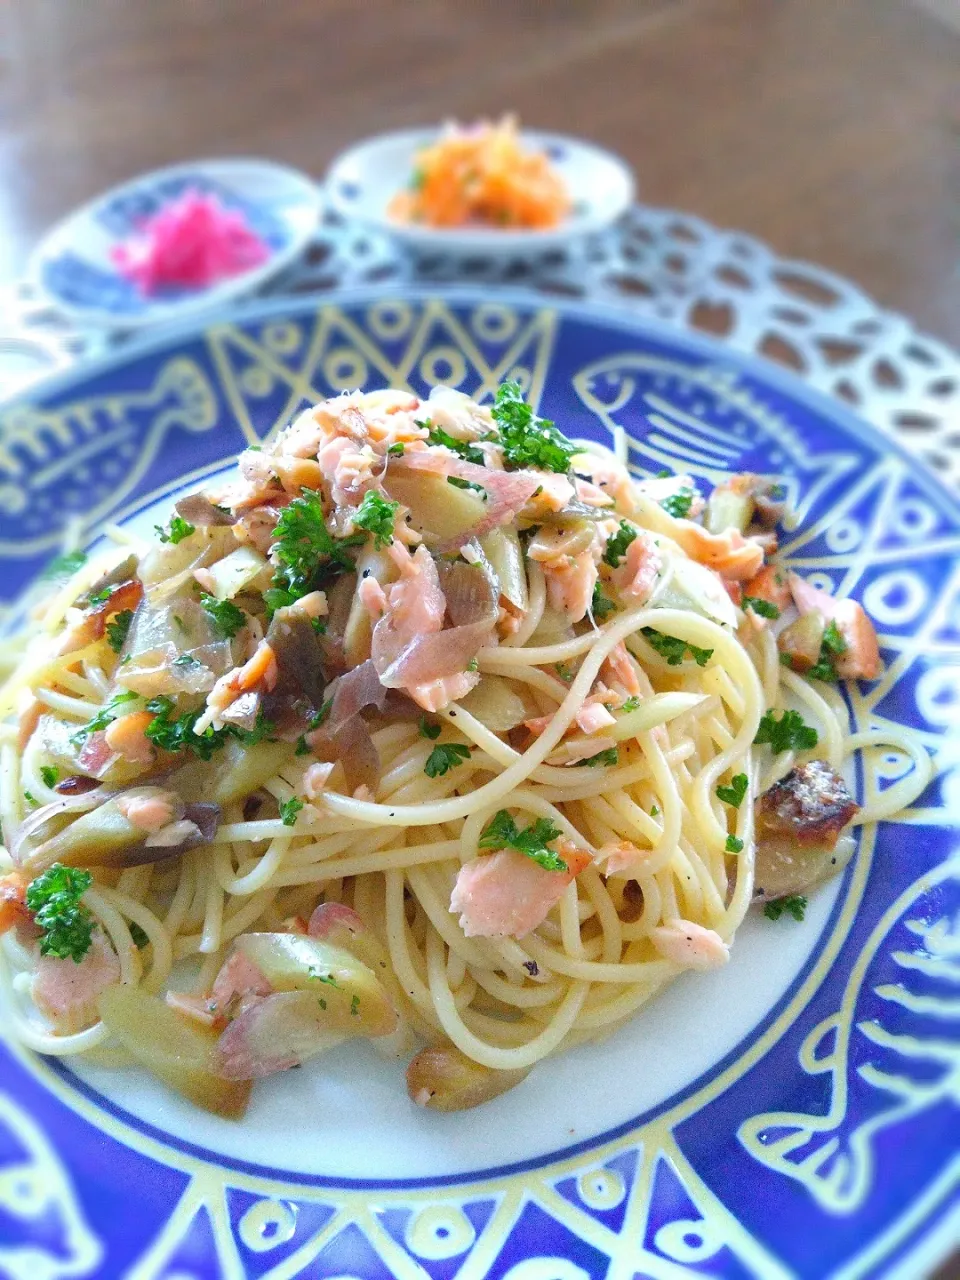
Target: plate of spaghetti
{"points": [[483, 190], [478, 789]]}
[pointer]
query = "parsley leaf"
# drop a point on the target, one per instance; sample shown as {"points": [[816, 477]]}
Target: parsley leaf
{"points": [[795, 905], [179, 529], [64, 566], [831, 646], [289, 810], [678, 504], [99, 597], [139, 936], [49, 773], [603, 606], [789, 733], [674, 650], [501, 832], [302, 748], [469, 452], [528, 440], [760, 606], [376, 514], [447, 755], [734, 844], [631, 704], [395, 450], [617, 544], [106, 715], [224, 614], [609, 757], [54, 901], [459, 483], [303, 546], [186, 661], [118, 628], [355, 1006], [176, 734], [428, 730], [735, 792]]}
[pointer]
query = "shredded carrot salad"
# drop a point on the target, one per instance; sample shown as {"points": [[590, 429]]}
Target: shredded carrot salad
{"points": [[482, 174]]}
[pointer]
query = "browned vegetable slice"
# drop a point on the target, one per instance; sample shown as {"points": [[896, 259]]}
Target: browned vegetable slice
{"points": [[181, 1054], [444, 1079], [800, 642], [235, 772], [798, 822]]}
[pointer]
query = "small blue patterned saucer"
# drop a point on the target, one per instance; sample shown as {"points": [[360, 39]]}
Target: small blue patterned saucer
{"points": [[793, 1116], [73, 267]]}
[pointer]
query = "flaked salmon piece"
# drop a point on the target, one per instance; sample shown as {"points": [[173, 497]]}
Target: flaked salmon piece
{"points": [[14, 913], [861, 660], [438, 694], [416, 603], [297, 474], [591, 494], [731, 554], [553, 493], [238, 983], [315, 778], [610, 477], [639, 571], [769, 584], [621, 857], [690, 945], [620, 670], [196, 1008], [372, 597], [570, 584], [259, 672], [151, 810], [256, 527], [572, 750], [593, 715], [507, 894], [66, 991], [126, 737]]}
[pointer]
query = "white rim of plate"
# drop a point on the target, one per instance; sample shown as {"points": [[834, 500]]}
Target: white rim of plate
{"points": [[478, 241], [245, 282]]}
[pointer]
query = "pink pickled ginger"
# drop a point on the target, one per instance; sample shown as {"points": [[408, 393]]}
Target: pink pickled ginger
{"points": [[194, 242]]}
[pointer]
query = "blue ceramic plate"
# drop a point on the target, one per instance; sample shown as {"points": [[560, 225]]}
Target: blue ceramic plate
{"points": [[793, 1115], [73, 267]]}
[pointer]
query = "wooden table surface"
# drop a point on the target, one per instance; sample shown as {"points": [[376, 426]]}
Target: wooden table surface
{"points": [[829, 128]]}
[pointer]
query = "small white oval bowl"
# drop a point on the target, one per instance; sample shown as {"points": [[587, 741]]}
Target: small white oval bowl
{"points": [[71, 266], [362, 181]]}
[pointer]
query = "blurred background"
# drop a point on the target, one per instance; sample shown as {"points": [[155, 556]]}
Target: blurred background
{"points": [[829, 128]]}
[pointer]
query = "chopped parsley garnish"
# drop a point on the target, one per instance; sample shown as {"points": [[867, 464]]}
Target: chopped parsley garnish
{"points": [[603, 606], [735, 792], [428, 730], [760, 606], [54, 901], [100, 597], [289, 810], [444, 756], [376, 514], [501, 832], [609, 757], [317, 720], [734, 844], [459, 483], [186, 661], [49, 773], [563, 671], [327, 978], [179, 529], [396, 450], [64, 566], [354, 1006], [224, 614], [654, 811], [674, 650], [469, 452], [105, 716], [117, 629], [176, 733], [473, 665], [617, 544], [831, 646], [302, 748], [789, 733], [795, 905], [138, 936], [678, 504], [528, 440], [303, 546], [30, 797], [631, 704]]}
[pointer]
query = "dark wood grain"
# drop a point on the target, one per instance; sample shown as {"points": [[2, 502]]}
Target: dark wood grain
{"points": [[830, 129]]}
